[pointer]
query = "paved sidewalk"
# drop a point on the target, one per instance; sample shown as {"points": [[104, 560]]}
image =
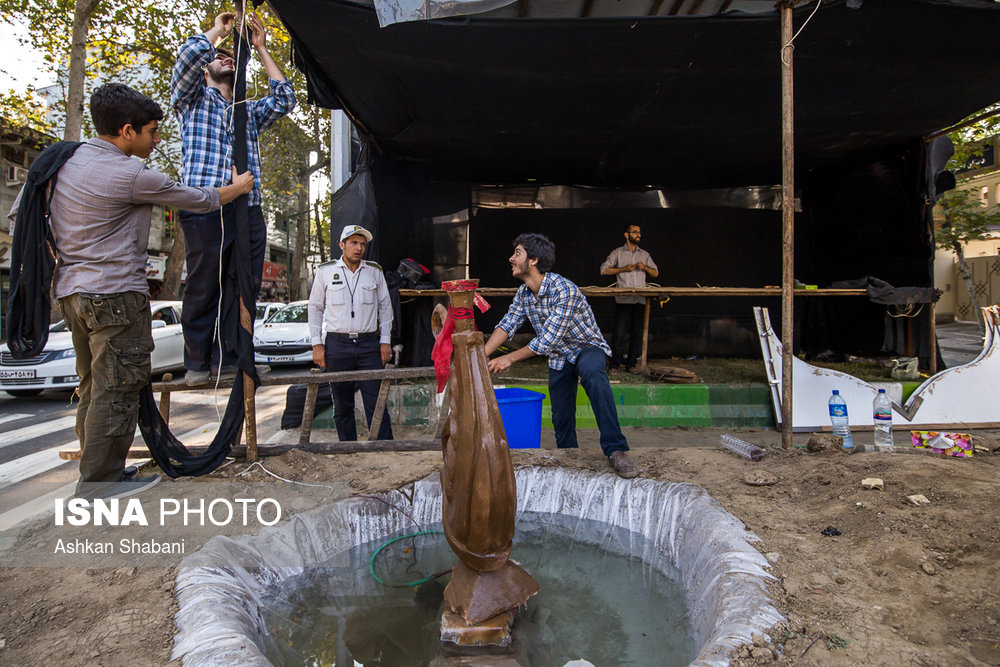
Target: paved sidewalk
{"points": [[960, 342]]}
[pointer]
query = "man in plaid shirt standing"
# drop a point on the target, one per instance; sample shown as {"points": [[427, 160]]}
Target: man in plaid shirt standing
{"points": [[202, 98], [568, 335]]}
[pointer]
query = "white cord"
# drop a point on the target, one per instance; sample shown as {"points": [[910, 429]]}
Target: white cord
{"points": [[290, 481], [790, 43], [229, 119]]}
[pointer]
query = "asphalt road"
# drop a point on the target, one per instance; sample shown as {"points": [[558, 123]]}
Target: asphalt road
{"points": [[33, 430]]}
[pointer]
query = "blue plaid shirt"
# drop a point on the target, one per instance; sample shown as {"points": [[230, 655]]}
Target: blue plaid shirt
{"points": [[561, 317], [205, 117]]}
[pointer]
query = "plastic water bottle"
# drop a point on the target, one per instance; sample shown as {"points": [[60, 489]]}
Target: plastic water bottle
{"points": [[838, 417], [742, 447], [882, 416]]}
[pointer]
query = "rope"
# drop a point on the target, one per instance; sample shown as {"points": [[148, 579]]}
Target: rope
{"points": [[791, 42]]}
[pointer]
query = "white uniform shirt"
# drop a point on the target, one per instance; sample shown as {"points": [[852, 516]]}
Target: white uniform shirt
{"points": [[337, 292]]}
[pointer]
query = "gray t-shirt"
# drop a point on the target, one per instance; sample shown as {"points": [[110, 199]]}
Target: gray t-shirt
{"points": [[100, 216], [623, 257]]}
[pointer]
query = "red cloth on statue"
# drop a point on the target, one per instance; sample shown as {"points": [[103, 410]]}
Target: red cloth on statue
{"points": [[441, 354]]}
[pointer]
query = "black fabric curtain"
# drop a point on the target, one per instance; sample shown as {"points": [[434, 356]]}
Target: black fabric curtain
{"points": [[237, 285]]}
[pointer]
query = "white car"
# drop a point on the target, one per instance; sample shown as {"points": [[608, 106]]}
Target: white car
{"points": [[264, 310], [55, 367], [284, 338]]}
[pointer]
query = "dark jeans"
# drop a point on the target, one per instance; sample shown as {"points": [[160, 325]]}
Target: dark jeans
{"points": [[112, 340], [361, 354], [204, 243], [628, 318], [589, 369]]}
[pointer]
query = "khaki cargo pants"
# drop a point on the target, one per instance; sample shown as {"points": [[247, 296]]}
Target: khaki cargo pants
{"points": [[112, 338]]}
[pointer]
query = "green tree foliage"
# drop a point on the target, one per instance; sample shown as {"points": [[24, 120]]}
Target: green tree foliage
{"points": [[24, 109], [135, 42], [965, 218]]}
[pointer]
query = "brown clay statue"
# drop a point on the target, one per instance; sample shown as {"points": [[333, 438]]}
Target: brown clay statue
{"points": [[477, 480]]}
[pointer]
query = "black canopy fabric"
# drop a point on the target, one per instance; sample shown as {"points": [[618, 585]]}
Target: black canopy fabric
{"points": [[679, 102]]}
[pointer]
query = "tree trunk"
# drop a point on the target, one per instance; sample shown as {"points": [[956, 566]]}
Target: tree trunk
{"points": [[77, 69], [299, 276], [963, 268], [175, 266], [319, 234]]}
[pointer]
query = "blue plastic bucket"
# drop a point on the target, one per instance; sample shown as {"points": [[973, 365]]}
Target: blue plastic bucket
{"points": [[521, 412]]}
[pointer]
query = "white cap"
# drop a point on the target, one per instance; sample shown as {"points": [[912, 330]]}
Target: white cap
{"points": [[351, 230]]}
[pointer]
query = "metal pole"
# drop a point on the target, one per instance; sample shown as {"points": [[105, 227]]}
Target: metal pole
{"points": [[787, 220]]}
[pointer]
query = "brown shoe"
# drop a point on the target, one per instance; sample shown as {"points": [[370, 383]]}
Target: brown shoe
{"points": [[623, 464]]}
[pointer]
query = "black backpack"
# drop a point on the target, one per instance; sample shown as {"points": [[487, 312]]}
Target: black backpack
{"points": [[33, 255]]}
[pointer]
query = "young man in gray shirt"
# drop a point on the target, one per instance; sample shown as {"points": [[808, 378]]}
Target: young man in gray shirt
{"points": [[100, 213], [632, 265]]}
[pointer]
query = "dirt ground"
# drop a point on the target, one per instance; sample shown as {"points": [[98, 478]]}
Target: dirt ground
{"points": [[902, 584]]}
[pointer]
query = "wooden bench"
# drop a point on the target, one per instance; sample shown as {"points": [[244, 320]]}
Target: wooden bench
{"points": [[313, 379]]}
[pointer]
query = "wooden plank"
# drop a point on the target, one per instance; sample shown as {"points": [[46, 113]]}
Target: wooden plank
{"points": [[654, 8], [383, 396], [645, 336], [275, 379], [249, 402], [165, 400], [353, 447], [787, 220], [308, 412], [659, 291], [443, 414], [932, 333]]}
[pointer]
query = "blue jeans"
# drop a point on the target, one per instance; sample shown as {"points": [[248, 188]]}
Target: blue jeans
{"points": [[590, 370]]}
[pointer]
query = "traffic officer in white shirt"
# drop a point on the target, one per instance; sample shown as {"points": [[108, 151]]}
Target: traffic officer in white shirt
{"points": [[350, 317]]}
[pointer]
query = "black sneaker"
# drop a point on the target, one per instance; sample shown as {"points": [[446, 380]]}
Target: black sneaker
{"points": [[125, 488]]}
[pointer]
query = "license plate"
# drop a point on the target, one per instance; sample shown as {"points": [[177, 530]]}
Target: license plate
{"points": [[17, 375], [278, 360]]}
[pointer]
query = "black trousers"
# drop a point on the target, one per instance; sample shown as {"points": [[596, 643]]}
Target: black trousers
{"points": [[628, 319], [360, 354], [204, 242]]}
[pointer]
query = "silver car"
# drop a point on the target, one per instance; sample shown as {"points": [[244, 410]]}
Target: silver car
{"points": [[284, 337]]}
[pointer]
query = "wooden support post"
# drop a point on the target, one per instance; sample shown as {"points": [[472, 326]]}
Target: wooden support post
{"points": [[645, 335], [383, 397], [443, 413], [308, 412], [249, 406], [165, 400], [932, 326], [787, 219]]}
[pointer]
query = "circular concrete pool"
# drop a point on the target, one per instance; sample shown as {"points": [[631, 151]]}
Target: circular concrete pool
{"points": [[671, 540]]}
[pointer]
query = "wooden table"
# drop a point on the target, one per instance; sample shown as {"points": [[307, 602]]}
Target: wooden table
{"points": [[651, 294]]}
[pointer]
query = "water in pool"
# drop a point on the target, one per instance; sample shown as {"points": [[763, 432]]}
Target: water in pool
{"points": [[598, 602]]}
